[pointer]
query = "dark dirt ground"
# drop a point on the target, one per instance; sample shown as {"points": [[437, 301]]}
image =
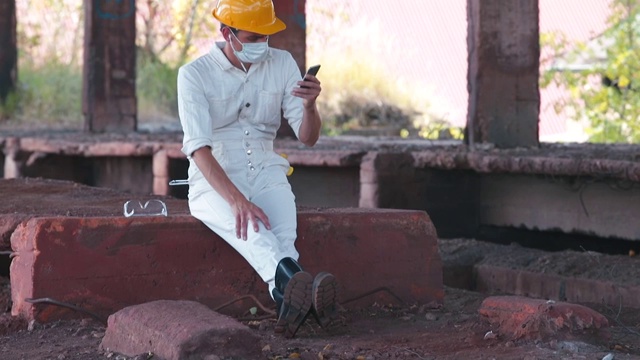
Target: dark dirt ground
{"points": [[454, 331]]}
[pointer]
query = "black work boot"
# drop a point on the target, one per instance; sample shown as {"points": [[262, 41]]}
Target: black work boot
{"points": [[292, 295], [324, 298]]}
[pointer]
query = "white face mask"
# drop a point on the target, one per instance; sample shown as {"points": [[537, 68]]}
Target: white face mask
{"points": [[251, 52]]}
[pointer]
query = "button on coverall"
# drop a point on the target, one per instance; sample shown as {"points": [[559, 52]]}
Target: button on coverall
{"points": [[237, 115]]}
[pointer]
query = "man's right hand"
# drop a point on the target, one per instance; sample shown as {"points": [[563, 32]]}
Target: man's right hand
{"points": [[245, 212]]}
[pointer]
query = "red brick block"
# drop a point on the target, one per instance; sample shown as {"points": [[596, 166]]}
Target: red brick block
{"points": [[174, 330], [104, 264], [496, 279], [525, 318]]}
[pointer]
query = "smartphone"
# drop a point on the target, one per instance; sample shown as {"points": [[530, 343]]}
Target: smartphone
{"points": [[313, 70]]}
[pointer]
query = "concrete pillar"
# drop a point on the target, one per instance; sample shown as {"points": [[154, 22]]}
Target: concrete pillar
{"points": [[293, 39], [13, 164], [504, 55], [9, 52], [109, 89], [161, 173]]}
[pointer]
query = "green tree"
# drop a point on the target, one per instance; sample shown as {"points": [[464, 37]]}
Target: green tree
{"points": [[167, 30], [169, 33], [602, 76]]}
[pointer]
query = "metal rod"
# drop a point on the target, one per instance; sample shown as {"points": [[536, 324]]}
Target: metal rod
{"points": [[178, 182]]}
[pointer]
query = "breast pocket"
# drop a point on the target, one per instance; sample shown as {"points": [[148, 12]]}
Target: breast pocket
{"points": [[222, 111], [270, 105]]}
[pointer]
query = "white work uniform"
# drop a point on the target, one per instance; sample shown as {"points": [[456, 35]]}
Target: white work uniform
{"points": [[237, 114]]}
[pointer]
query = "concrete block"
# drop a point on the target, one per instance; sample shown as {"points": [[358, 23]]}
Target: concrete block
{"points": [[368, 249], [177, 330], [526, 318], [107, 263]]}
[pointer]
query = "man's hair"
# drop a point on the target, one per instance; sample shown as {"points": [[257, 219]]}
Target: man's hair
{"points": [[233, 30]]}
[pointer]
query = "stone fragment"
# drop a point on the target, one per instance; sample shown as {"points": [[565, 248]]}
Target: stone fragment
{"points": [[520, 317]]}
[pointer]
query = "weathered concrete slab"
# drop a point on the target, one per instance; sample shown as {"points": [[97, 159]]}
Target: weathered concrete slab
{"points": [[452, 182], [614, 161], [591, 207], [525, 318], [107, 263], [176, 330]]}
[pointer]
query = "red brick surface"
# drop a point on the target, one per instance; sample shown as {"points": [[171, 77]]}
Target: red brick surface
{"points": [[107, 263], [174, 330], [526, 318], [497, 279]]}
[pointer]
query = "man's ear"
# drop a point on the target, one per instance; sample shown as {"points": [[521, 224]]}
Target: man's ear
{"points": [[225, 33]]}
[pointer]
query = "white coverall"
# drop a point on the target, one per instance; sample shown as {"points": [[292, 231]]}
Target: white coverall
{"points": [[237, 114]]}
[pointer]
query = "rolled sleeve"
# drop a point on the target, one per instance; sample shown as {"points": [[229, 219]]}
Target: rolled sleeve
{"points": [[193, 110]]}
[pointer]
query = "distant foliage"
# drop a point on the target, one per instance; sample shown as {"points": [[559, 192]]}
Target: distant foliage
{"points": [[50, 93], [50, 43], [360, 95], [601, 76], [156, 89]]}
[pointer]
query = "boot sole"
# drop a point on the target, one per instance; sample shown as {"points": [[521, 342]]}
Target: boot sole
{"points": [[325, 298], [297, 301]]}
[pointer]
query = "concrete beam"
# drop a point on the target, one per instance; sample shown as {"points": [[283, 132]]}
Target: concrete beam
{"points": [[104, 264]]}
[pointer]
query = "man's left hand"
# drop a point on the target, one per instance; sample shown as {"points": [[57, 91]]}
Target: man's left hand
{"points": [[308, 89]]}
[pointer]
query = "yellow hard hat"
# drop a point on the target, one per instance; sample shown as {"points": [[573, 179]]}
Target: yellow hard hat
{"points": [[256, 16]]}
